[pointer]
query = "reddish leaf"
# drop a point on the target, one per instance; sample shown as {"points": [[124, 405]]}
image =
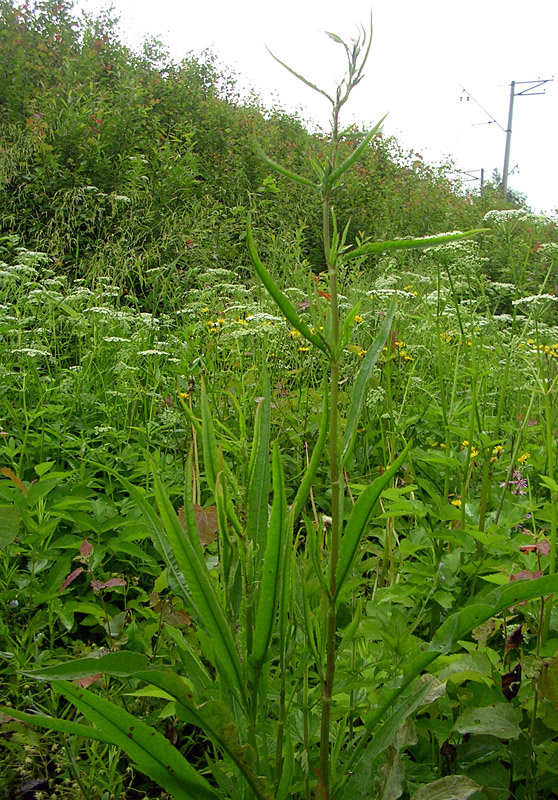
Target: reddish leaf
{"points": [[88, 681], [511, 681], [71, 577], [542, 547], [98, 585], [177, 618], [514, 640], [526, 575], [206, 522], [9, 473], [85, 549]]}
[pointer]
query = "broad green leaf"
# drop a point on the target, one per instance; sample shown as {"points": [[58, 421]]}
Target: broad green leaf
{"points": [[452, 787], [409, 244], [359, 388], [147, 748], [498, 719], [119, 663], [282, 301], [9, 525], [364, 769], [358, 520], [548, 682], [270, 577], [258, 473], [455, 628]]}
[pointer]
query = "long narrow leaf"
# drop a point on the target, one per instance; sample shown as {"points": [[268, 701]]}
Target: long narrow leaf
{"points": [[315, 459], [149, 749], [216, 719], [187, 551], [56, 724], [270, 579], [300, 77], [158, 537], [282, 301], [409, 244], [358, 521], [281, 169], [355, 155], [365, 371], [258, 477]]}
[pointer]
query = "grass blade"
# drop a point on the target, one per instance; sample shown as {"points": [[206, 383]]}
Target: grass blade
{"points": [[270, 576], [258, 473], [364, 373]]}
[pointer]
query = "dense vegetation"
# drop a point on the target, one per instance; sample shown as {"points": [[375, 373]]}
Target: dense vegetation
{"points": [[294, 522]]}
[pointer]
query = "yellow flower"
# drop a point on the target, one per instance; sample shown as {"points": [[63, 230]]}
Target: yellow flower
{"points": [[205, 310], [522, 459], [183, 395], [294, 333], [303, 349], [362, 352], [474, 452], [456, 502], [358, 318], [241, 321]]}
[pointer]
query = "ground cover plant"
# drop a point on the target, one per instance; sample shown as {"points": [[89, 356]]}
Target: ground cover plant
{"points": [[271, 531]]}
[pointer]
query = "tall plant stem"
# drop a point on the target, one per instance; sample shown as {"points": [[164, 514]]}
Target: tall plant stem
{"points": [[335, 479]]}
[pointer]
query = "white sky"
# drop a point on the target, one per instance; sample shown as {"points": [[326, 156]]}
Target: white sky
{"points": [[422, 51]]}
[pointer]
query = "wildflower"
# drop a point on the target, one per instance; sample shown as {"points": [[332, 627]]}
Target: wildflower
{"points": [[362, 352], [205, 310], [294, 334], [303, 349], [456, 502], [358, 318], [518, 482], [523, 458]]}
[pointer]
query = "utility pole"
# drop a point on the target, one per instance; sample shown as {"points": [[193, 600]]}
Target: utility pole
{"points": [[527, 91], [529, 87]]}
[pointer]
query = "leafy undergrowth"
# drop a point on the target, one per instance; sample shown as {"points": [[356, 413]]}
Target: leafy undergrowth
{"points": [[92, 388]]}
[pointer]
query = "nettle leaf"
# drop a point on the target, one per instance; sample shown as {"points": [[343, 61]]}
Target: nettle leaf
{"points": [[453, 787], [498, 719], [548, 682], [9, 525]]}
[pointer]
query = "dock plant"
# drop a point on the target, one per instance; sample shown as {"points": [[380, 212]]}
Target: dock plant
{"points": [[272, 676]]}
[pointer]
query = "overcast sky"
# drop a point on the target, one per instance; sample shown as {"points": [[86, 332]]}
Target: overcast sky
{"points": [[422, 53]]}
